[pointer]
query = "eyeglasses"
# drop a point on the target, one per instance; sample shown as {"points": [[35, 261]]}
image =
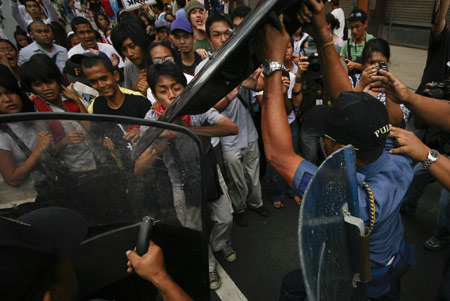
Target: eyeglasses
{"points": [[159, 60]]}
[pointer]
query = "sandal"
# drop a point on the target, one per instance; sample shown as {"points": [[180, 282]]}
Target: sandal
{"points": [[278, 204], [435, 244], [298, 200]]}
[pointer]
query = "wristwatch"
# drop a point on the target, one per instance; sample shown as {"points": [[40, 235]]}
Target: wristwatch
{"points": [[269, 67], [433, 155]]}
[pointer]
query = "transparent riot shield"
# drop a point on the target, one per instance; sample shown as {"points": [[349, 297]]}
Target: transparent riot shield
{"points": [[86, 165], [329, 249]]}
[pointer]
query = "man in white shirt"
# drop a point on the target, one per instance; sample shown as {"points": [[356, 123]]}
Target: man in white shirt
{"points": [[86, 34], [338, 13], [34, 11]]}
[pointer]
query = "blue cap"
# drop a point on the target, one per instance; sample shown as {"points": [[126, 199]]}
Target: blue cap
{"points": [[181, 24], [77, 58]]}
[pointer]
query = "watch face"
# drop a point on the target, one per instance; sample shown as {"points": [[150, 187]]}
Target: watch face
{"points": [[434, 154]]}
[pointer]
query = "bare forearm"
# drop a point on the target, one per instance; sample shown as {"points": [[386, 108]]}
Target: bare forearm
{"points": [[222, 105], [13, 174], [217, 130], [169, 290], [334, 74], [276, 131], [433, 111]]}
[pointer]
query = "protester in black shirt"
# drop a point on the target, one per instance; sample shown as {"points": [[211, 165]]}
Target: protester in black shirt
{"points": [[184, 35], [112, 99]]}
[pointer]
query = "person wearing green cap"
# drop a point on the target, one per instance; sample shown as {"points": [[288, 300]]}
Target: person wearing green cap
{"points": [[197, 15]]}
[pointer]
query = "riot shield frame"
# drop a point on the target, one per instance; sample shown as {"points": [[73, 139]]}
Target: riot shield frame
{"points": [[129, 120]]}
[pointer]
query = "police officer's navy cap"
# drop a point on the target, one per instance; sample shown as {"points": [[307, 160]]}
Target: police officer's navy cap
{"points": [[32, 245], [359, 119]]}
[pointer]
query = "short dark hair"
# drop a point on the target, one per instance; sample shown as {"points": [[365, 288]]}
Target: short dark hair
{"points": [[376, 45], [155, 71], [331, 19], [217, 17], [90, 62], [20, 32], [40, 68], [8, 81], [168, 14], [34, 23], [125, 30], [241, 11], [25, 2], [181, 3], [127, 17], [159, 5], [79, 21]]}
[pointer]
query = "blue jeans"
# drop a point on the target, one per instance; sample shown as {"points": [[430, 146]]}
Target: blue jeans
{"points": [[421, 179], [309, 143], [68, 11], [278, 187]]}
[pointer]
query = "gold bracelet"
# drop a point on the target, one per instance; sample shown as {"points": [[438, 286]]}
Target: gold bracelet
{"points": [[325, 45]]}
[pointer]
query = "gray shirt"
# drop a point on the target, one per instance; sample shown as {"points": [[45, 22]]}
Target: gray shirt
{"points": [[130, 74], [77, 157], [241, 117]]}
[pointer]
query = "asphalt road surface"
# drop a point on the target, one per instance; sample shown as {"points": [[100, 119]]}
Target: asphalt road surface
{"points": [[267, 249]]}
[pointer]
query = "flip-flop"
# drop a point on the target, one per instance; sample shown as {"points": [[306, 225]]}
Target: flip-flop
{"points": [[278, 204]]}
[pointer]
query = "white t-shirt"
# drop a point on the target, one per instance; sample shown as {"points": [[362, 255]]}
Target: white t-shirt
{"points": [[338, 13], [298, 44], [107, 49], [291, 117]]}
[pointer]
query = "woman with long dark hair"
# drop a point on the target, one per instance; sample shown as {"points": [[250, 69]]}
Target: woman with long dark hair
{"points": [[103, 25], [21, 145], [377, 53]]}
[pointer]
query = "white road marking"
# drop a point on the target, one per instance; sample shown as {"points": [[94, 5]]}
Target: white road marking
{"points": [[228, 291]]}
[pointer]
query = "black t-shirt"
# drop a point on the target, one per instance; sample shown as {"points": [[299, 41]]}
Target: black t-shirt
{"points": [[133, 106], [436, 68], [191, 69]]}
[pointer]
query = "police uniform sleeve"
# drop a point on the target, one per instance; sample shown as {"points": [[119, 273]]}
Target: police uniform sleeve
{"points": [[303, 175]]}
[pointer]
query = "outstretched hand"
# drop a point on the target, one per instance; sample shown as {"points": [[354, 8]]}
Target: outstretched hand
{"points": [[150, 266], [275, 42], [312, 15], [389, 84], [408, 143]]}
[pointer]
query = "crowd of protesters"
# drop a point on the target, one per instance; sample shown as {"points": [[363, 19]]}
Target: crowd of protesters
{"points": [[92, 57]]}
